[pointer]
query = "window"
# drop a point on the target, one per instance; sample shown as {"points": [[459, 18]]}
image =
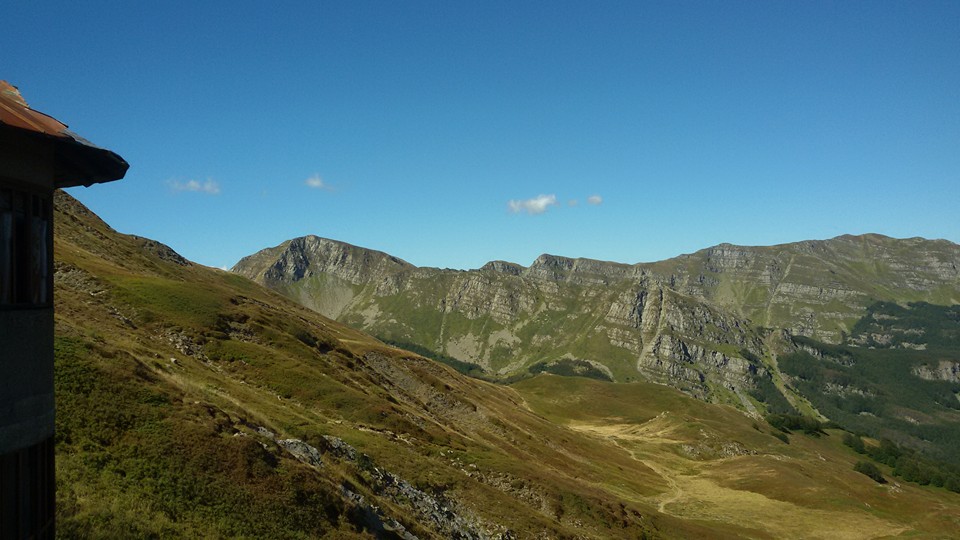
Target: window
{"points": [[24, 249], [27, 489], [6, 247]]}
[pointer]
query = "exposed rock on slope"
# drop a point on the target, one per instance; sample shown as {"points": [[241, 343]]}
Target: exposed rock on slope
{"points": [[943, 371], [818, 288], [310, 255], [692, 321], [505, 318]]}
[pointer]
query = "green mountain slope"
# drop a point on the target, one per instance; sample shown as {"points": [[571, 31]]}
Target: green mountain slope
{"points": [[897, 376], [722, 469], [189, 400], [558, 315], [700, 322], [818, 288], [195, 403]]}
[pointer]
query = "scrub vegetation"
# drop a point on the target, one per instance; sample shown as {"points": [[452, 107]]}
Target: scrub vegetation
{"points": [[892, 392]]}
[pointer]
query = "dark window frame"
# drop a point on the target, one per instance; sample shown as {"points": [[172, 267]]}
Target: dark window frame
{"points": [[26, 246], [28, 492]]}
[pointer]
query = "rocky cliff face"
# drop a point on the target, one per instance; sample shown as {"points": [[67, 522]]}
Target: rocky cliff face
{"points": [[505, 318], [694, 322], [818, 288], [306, 256]]}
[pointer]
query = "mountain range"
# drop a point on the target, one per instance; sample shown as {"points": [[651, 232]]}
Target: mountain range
{"points": [[193, 402], [710, 323]]}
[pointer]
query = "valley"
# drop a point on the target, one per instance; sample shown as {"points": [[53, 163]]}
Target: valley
{"points": [[195, 402]]}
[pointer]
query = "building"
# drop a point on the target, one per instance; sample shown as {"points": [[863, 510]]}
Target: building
{"points": [[37, 155]]}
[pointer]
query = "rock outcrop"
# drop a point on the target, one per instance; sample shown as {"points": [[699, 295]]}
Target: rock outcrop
{"points": [[697, 321], [818, 288], [943, 371]]}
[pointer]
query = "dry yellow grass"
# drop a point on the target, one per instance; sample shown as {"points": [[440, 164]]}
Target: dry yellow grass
{"points": [[704, 490]]}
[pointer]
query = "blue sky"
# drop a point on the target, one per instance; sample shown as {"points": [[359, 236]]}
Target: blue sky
{"points": [[454, 133]]}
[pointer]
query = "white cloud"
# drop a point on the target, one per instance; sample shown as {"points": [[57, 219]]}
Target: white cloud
{"points": [[210, 187], [316, 182], [573, 202], [536, 205], [594, 199]]}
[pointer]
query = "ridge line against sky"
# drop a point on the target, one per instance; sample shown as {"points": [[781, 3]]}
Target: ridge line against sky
{"points": [[452, 134]]}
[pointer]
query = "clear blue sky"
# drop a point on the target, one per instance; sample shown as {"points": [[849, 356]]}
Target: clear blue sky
{"points": [[436, 131]]}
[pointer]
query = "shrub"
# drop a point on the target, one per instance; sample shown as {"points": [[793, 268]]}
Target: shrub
{"points": [[791, 422], [871, 470], [855, 442]]}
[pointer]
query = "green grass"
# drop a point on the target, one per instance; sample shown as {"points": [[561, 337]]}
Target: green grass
{"points": [[171, 301], [133, 460], [809, 484]]}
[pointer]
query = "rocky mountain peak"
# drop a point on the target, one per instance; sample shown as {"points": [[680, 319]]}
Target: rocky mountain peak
{"points": [[503, 267], [312, 255], [552, 267]]}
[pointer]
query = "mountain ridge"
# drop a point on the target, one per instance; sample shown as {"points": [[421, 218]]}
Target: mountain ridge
{"points": [[345, 289], [543, 257], [704, 322]]}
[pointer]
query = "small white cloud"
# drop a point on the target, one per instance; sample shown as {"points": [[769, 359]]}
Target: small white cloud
{"points": [[536, 205], [316, 182], [210, 187], [573, 202], [594, 200]]}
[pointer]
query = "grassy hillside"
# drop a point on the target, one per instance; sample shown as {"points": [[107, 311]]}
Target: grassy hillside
{"points": [[723, 468], [194, 403], [178, 384], [818, 288]]}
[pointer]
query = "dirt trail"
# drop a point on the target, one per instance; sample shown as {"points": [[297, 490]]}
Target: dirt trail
{"points": [[676, 491], [697, 491], [655, 431]]}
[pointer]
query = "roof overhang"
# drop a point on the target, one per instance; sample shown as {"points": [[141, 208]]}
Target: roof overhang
{"points": [[75, 160]]}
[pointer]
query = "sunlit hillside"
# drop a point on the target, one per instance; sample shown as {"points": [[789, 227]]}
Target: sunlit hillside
{"points": [[194, 403]]}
